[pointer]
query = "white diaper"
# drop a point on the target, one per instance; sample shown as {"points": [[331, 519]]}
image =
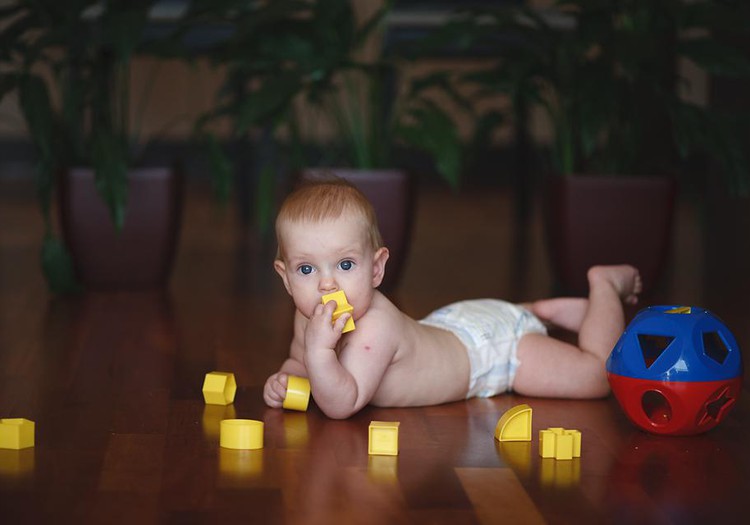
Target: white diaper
{"points": [[490, 330]]}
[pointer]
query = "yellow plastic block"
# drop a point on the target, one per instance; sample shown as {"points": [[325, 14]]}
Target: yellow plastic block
{"points": [[342, 307], [16, 433], [297, 393], [241, 434], [219, 388], [679, 310], [563, 446], [547, 443], [560, 443], [515, 424], [576, 442], [383, 438]]}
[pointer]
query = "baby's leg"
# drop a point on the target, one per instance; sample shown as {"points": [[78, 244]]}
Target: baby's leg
{"points": [[553, 368], [565, 312]]}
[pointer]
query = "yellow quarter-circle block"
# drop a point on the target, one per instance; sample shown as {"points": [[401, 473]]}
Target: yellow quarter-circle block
{"points": [[342, 307], [16, 433], [219, 388], [383, 438], [560, 443], [241, 434], [515, 424], [297, 393]]}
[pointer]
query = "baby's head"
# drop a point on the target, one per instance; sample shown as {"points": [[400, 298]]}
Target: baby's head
{"points": [[323, 199]]}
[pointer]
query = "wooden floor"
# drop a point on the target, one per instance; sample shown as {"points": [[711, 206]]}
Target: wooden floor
{"points": [[113, 382]]}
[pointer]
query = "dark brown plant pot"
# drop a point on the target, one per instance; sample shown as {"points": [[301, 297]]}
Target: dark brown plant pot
{"points": [[608, 220], [142, 254], [391, 193]]}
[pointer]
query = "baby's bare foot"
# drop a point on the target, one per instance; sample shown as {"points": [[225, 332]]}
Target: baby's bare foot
{"points": [[625, 279]]}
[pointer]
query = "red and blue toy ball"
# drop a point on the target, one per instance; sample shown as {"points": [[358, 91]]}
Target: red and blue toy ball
{"points": [[676, 370]]}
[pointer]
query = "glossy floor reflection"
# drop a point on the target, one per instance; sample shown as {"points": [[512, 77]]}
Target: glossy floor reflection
{"points": [[113, 382]]}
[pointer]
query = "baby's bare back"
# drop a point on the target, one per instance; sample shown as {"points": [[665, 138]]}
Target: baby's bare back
{"points": [[430, 365]]}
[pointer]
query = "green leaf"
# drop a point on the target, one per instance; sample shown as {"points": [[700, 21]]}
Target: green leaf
{"points": [[57, 266], [111, 170], [37, 110], [432, 130], [265, 103]]}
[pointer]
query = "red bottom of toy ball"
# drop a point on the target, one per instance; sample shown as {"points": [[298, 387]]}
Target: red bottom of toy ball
{"points": [[677, 408]]}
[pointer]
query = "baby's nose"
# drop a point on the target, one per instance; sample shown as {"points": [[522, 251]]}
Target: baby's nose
{"points": [[327, 284]]}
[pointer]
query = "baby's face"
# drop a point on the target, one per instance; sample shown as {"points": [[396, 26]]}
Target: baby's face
{"points": [[327, 256]]}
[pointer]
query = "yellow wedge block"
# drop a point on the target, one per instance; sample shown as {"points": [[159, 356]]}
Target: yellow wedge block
{"points": [[515, 424]]}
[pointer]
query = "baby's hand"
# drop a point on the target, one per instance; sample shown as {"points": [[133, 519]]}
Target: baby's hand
{"points": [[274, 391], [321, 332]]}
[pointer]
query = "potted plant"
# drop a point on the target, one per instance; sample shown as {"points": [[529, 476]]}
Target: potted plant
{"points": [[377, 117], [294, 63], [69, 63], [267, 55], [605, 73]]}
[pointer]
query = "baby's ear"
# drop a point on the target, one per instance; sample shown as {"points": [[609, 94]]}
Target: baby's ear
{"points": [[378, 265], [280, 268]]}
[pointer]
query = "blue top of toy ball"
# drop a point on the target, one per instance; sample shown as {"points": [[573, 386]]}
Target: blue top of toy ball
{"points": [[676, 343]]}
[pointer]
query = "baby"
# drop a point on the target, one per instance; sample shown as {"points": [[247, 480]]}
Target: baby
{"points": [[329, 240]]}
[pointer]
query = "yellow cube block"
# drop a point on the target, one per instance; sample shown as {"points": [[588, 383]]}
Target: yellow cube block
{"points": [[241, 434], [297, 393], [16, 433], [219, 388], [342, 307], [383, 438]]}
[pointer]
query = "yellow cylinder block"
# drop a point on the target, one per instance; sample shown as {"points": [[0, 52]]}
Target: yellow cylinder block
{"points": [[241, 434], [297, 393]]}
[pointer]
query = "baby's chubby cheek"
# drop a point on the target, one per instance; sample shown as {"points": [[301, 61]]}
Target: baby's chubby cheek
{"points": [[306, 306]]}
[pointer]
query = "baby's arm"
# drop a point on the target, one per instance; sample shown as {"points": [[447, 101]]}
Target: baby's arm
{"points": [[343, 384], [274, 390]]}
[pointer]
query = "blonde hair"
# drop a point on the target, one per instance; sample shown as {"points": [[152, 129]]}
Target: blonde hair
{"points": [[326, 198]]}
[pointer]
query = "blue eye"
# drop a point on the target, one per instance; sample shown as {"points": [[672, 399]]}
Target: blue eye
{"points": [[305, 269], [346, 265]]}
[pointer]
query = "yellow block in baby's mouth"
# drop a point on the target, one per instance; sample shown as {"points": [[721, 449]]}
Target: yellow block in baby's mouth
{"points": [[342, 307]]}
